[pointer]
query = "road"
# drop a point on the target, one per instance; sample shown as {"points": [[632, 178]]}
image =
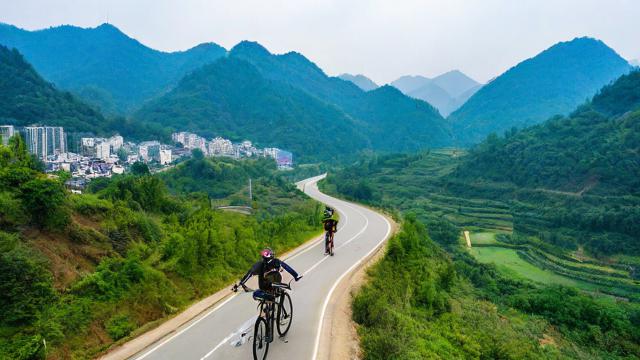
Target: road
{"points": [[361, 231]]}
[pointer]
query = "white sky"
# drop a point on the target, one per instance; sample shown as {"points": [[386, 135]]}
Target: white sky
{"points": [[381, 39]]}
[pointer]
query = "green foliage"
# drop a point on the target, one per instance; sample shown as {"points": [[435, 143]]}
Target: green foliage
{"points": [[416, 307], [45, 199], [139, 169], [25, 284], [390, 120], [131, 253], [26, 96], [120, 326], [552, 83]]}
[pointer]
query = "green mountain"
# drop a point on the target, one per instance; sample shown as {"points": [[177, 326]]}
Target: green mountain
{"points": [[120, 72], [553, 82], [25, 98], [413, 124], [578, 174], [361, 81], [231, 98], [595, 150]]}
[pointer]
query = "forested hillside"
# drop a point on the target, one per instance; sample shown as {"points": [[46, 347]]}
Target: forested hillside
{"points": [[551, 83], [231, 98], [83, 271], [394, 122], [25, 98], [596, 150], [112, 70]]}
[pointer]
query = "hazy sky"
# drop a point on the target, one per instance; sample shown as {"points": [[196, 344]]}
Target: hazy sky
{"points": [[381, 39]]}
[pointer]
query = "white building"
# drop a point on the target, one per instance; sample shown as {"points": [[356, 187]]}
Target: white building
{"points": [[103, 150], [149, 150], [116, 142], [44, 141], [221, 147], [164, 156], [6, 132]]}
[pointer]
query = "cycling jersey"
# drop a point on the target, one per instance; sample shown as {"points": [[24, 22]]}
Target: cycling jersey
{"points": [[268, 272], [330, 225]]}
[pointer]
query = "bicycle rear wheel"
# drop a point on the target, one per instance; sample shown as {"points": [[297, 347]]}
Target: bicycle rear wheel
{"points": [[285, 314], [260, 341]]}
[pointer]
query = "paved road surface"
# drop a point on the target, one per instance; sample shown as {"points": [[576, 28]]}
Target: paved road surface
{"points": [[361, 231]]}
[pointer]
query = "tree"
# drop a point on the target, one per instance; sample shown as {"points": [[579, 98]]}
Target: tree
{"points": [[44, 200], [140, 169], [122, 154]]}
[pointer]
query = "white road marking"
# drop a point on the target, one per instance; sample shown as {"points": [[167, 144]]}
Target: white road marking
{"points": [[186, 328]]}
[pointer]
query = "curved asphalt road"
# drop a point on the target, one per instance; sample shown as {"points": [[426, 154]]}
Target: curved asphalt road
{"points": [[361, 231]]}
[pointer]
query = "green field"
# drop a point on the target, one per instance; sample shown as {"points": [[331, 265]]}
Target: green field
{"points": [[484, 238], [507, 260]]}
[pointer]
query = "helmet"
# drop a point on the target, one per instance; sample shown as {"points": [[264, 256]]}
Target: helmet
{"points": [[267, 254]]}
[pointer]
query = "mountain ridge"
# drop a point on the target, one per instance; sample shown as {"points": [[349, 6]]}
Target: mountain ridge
{"points": [[554, 81], [106, 58], [360, 80]]}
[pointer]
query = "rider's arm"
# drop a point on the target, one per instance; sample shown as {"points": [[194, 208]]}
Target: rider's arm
{"points": [[253, 271], [290, 270]]}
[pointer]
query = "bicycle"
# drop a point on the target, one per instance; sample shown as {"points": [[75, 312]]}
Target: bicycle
{"points": [[268, 303]]}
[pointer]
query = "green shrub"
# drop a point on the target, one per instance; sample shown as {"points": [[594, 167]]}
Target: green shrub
{"points": [[119, 326]]}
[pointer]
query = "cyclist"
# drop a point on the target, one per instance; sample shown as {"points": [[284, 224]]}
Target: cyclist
{"points": [[330, 226], [268, 271]]}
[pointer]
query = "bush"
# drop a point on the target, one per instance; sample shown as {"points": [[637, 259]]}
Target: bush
{"points": [[44, 200], [119, 326], [25, 283]]}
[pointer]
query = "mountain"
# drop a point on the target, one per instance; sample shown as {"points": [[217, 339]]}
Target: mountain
{"points": [[394, 122], [361, 81], [635, 62], [446, 92], [455, 83], [553, 82], [595, 150], [122, 71], [409, 83], [231, 98], [25, 98]]}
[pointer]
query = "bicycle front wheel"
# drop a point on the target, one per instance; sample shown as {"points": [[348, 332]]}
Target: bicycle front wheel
{"points": [[260, 341], [285, 314]]}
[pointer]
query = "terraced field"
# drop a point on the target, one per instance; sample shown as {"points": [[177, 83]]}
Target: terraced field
{"points": [[528, 262]]}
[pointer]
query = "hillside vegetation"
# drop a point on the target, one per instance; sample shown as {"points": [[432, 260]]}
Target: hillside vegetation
{"points": [[27, 98], [392, 121], [553, 82], [84, 271], [231, 98]]}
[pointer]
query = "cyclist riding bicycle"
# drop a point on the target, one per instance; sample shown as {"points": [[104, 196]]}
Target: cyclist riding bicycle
{"points": [[330, 223], [268, 271]]}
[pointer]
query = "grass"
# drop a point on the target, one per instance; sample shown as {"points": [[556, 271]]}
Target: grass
{"points": [[483, 238], [508, 261]]}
